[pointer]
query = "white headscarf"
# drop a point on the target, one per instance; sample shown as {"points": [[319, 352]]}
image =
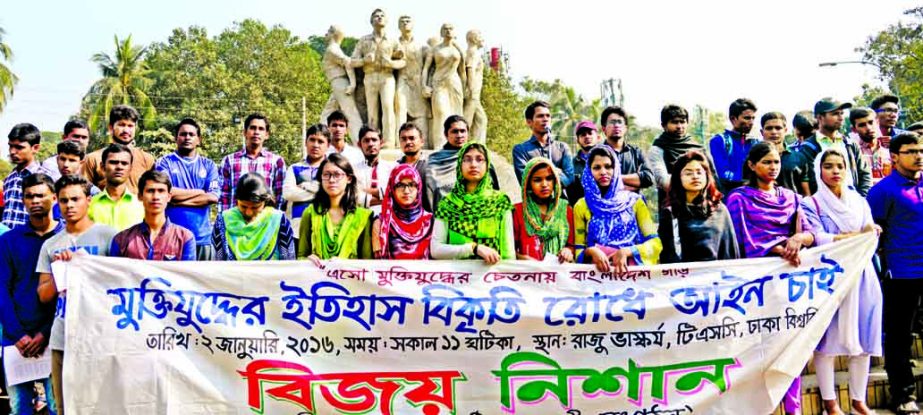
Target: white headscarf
{"points": [[847, 210]]}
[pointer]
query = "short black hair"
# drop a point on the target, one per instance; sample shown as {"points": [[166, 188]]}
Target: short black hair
{"points": [[904, 139], [74, 124], [859, 113], [123, 112], [739, 106], [604, 117], [530, 110], [117, 148], [256, 116], [252, 187], [337, 116], [367, 129], [72, 180], [409, 125], [25, 132], [155, 176], [187, 121], [884, 99], [318, 129], [804, 122], [72, 148], [36, 179], [452, 119], [772, 115], [671, 112]]}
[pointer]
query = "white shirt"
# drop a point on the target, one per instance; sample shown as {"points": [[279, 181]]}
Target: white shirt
{"points": [[352, 153], [365, 180]]}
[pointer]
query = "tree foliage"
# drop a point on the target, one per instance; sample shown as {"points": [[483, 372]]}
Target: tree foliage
{"points": [[220, 80], [898, 53], [125, 80], [7, 78], [505, 124]]}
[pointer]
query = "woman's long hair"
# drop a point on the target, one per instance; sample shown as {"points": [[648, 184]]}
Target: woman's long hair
{"points": [[757, 152], [710, 197], [322, 199], [252, 187]]}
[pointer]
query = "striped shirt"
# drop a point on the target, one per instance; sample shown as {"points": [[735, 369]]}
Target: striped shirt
{"points": [[235, 165], [14, 213]]}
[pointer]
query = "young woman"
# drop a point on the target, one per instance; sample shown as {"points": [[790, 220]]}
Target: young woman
{"points": [[543, 222], [474, 221], [404, 229], [613, 227], [695, 226], [837, 212], [768, 221], [253, 230], [335, 225]]}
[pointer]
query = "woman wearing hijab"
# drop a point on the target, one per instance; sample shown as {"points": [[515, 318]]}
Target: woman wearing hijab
{"points": [[696, 225], [837, 212], [613, 227], [404, 229], [474, 221], [768, 221], [253, 230], [543, 222], [335, 226]]}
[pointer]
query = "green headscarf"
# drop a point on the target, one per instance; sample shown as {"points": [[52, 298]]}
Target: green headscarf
{"points": [[341, 241], [476, 215], [552, 228], [253, 241]]}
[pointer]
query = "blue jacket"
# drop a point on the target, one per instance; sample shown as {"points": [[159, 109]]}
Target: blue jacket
{"points": [[21, 312]]}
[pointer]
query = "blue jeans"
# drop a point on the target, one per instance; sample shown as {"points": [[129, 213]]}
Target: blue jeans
{"points": [[22, 395]]}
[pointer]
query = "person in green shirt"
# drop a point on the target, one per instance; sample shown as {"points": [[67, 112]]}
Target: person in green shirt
{"points": [[116, 206], [334, 225], [474, 221]]}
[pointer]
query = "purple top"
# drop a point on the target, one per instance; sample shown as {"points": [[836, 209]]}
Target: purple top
{"points": [[763, 220]]}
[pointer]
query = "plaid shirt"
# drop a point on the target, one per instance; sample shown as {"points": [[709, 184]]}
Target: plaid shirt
{"points": [[15, 211], [267, 164]]}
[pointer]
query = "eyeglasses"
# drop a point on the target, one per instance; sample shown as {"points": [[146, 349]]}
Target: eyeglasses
{"points": [[917, 152], [615, 122], [333, 177], [474, 160], [405, 187], [889, 110]]}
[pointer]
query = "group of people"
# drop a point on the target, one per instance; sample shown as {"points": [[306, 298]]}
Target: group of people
{"points": [[733, 197]]}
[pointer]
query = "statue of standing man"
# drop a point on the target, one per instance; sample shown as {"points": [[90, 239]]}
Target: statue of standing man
{"points": [[342, 77], [378, 57], [411, 105], [474, 111]]}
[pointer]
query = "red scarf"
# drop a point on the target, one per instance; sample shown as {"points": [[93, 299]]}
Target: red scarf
{"points": [[410, 227]]}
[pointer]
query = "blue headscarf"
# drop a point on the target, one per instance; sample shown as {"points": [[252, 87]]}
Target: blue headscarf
{"points": [[612, 221]]}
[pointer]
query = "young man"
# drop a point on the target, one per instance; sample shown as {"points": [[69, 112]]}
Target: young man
{"points": [[411, 139], [80, 233], [26, 322], [587, 137], [116, 205], [541, 144], [729, 149], [897, 206], [301, 181], [372, 175], [194, 184], [916, 127], [252, 158], [123, 123], [830, 117], [871, 146], [794, 172], [669, 146], [636, 175], [440, 166], [76, 131], [339, 126], [24, 140], [804, 126], [888, 110], [70, 161], [155, 238]]}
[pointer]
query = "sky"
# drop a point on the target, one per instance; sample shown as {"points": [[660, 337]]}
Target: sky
{"points": [[685, 52]]}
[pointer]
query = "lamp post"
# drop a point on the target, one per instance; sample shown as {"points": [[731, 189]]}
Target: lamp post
{"points": [[901, 115]]}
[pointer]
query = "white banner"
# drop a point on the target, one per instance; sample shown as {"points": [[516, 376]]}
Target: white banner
{"points": [[446, 337]]}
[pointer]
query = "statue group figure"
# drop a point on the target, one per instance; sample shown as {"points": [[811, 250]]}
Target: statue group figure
{"points": [[405, 80]]}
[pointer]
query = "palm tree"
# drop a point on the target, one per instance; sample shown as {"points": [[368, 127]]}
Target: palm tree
{"points": [[568, 108], [125, 81], [7, 78]]}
